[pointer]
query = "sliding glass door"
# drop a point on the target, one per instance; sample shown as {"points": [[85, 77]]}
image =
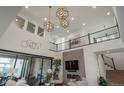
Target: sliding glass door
{"points": [[6, 63], [40, 67], [14, 64], [31, 67], [21, 66]]}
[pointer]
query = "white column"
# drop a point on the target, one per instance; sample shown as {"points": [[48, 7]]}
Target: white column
{"points": [[91, 67]]}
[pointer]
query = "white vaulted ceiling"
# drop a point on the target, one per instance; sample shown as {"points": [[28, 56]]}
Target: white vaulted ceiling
{"points": [[94, 18]]}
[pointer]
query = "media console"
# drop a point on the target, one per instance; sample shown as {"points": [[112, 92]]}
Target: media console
{"points": [[72, 76]]}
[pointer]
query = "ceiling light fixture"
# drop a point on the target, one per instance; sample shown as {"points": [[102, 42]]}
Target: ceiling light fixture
{"points": [[16, 19], [68, 30], [64, 23], [72, 18], [49, 26], [94, 6], [108, 13], [83, 24], [107, 52], [57, 26], [62, 14], [45, 19], [26, 6]]}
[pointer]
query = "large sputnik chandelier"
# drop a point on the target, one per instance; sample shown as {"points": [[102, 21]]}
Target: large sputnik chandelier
{"points": [[49, 26], [62, 14]]}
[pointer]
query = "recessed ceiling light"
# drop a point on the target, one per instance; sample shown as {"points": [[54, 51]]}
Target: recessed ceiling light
{"points": [[26, 6], [16, 19], [83, 24], [108, 13], [107, 52], [94, 6], [68, 30], [57, 26], [45, 19], [72, 18]]}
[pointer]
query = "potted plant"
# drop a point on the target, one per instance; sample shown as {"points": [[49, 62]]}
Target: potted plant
{"points": [[102, 81], [56, 63], [48, 77]]}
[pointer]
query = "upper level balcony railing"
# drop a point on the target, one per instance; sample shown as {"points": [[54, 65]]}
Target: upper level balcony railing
{"points": [[91, 38]]}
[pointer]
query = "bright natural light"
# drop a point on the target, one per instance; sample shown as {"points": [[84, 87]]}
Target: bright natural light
{"points": [[4, 60]]}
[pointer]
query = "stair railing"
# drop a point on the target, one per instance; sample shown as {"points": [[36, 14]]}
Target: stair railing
{"points": [[108, 64]]}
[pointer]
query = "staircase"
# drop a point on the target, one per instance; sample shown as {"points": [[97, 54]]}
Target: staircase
{"points": [[109, 62], [109, 66], [114, 77]]}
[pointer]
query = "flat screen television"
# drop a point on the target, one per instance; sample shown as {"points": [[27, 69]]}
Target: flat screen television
{"points": [[71, 65]]}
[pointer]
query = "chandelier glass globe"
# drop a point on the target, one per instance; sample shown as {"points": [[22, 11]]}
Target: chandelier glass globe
{"points": [[64, 23], [49, 26], [62, 13]]}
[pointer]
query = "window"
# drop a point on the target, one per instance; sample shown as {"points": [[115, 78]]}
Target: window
{"points": [[31, 27], [6, 63], [40, 31], [18, 67], [113, 36], [105, 38], [19, 22], [61, 45], [98, 39]]}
